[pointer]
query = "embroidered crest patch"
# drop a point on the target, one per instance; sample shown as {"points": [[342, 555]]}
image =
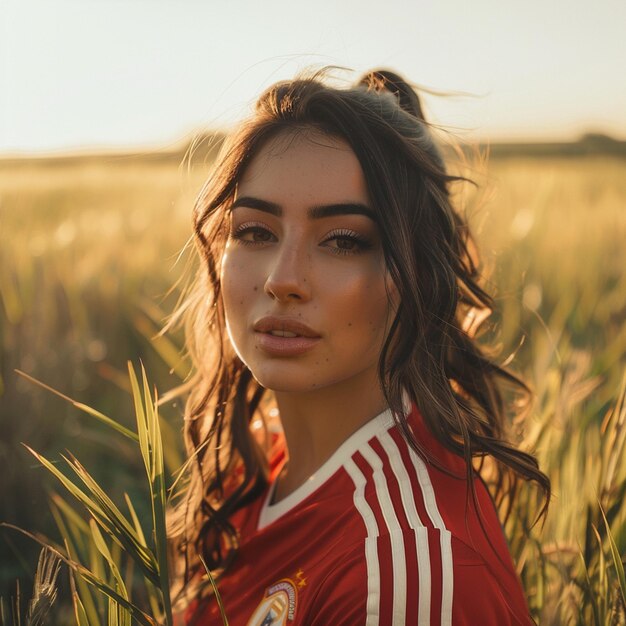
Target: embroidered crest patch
{"points": [[278, 606]]}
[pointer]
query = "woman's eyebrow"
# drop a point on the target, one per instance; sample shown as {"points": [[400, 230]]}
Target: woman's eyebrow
{"points": [[315, 212], [344, 208], [258, 204]]}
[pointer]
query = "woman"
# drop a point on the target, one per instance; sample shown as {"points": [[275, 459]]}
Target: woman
{"points": [[336, 287]]}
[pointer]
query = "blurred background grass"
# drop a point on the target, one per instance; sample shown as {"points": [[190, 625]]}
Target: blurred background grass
{"points": [[89, 256]]}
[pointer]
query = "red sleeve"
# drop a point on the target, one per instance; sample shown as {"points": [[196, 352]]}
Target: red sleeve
{"points": [[351, 596], [342, 598], [479, 597]]}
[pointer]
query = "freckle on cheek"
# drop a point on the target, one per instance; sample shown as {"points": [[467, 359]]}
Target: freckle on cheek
{"points": [[256, 289], [349, 323]]}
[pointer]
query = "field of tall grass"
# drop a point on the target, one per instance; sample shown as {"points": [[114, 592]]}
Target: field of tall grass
{"points": [[89, 254]]}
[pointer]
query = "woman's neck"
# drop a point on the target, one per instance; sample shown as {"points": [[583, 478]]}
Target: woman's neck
{"points": [[317, 422]]}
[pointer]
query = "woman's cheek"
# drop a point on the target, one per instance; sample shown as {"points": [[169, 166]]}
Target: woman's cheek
{"points": [[233, 281]]}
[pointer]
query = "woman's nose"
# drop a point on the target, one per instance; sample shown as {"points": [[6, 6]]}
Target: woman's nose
{"points": [[287, 279]]}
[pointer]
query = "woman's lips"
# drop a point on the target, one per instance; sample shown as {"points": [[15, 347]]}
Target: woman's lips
{"points": [[284, 336], [285, 346], [276, 324]]}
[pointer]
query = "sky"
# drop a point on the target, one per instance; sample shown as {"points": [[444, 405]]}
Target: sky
{"points": [[80, 75]]}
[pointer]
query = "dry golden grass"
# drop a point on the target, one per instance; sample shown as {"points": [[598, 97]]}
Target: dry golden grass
{"points": [[87, 254]]}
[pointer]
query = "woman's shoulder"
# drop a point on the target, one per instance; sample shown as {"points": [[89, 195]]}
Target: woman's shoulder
{"points": [[416, 576], [430, 531]]}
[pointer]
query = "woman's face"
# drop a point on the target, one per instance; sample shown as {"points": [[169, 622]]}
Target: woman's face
{"points": [[304, 282]]}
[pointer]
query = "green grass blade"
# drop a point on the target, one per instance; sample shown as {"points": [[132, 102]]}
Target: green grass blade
{"points": [[154, 427], [67, 483], [183, 469], [588, 590], [83, 597], [97, 567], [142, 430], [83, 407], [218, 598], [112, 520], [602, 587], [143, 618], [106, 553], [617, 559], [105, 512], [150, 444], [172, 457], [159, 493], [80, 589], [105, 504], [135, 518], [78, 525], [116, 523], [79, 612], [120, 614], [112, 613], [17, 615]]}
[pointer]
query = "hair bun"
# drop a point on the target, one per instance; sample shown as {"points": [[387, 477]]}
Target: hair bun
{"points": [[386, 80]]}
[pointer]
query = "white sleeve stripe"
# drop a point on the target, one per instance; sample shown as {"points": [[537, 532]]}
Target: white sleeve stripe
{"points": [[447, 571], [406, 491], [394, 529], [424, 573], [421, 534], [430, 502], [447, 582], [371, 551]]}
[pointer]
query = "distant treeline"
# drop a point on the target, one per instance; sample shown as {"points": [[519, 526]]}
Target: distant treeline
{"points": [[589, 144], [203, 148]]}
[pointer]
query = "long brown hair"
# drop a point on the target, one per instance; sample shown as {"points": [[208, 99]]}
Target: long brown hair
{"points": [[429, 352]]}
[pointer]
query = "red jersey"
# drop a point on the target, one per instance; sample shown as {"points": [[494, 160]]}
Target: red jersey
{"points": [[377, 536]]}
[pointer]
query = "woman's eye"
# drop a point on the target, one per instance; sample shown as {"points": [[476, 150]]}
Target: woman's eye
{"points": [[253, 234], [346, 243]]}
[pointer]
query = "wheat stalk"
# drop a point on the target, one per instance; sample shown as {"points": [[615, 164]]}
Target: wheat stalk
{"points": [[44, 588]]}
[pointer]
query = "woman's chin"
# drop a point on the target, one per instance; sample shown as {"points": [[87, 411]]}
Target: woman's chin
{"points": [[284, 384], [286, 378]]}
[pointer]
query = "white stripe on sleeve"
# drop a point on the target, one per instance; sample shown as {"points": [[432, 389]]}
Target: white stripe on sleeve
{"points": [[421, 534], [371, 548], [430, 502], [394, 530]]}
